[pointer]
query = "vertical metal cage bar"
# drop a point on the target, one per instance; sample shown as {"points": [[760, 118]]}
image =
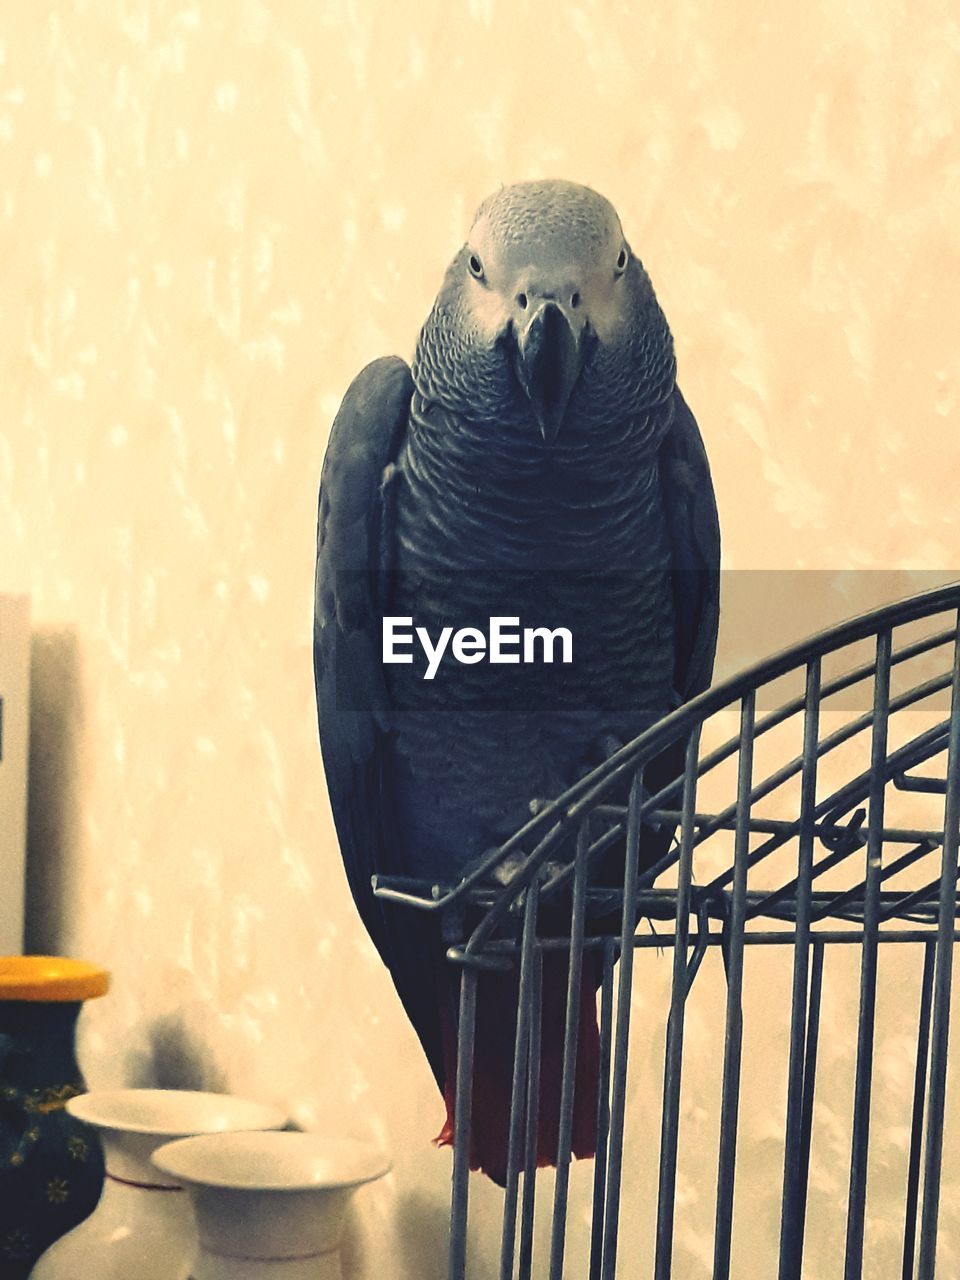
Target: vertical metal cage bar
{"points": [[916, 1126], [570, 1044], [730, 1101], [618, 1093], [791, 1245], [528, 1202], [809, 1089], [673, 1057], [461, 1126], [521, 1044], [603, 1111], [946, 918], [857, 1203]]}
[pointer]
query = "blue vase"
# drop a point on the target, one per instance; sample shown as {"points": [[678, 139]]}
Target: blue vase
{"points": [[51, 1171]]}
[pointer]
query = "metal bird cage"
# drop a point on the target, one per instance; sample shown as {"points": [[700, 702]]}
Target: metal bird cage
{"points": [[816, 848]]}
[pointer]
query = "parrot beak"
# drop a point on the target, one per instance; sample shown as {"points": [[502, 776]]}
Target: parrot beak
{"points": [[548, 362]]}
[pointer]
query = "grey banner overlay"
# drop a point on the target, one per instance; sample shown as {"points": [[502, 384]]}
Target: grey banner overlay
{"points": [[761, 613]]}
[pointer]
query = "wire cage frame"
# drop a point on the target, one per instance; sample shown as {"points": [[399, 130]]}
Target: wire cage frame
{"points": [[818, 811]]}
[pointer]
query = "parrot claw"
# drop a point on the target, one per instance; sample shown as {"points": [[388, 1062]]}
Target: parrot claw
{"points": [[551, 870], [500, 873], [601, 749], [608, 745], [504, 872]]}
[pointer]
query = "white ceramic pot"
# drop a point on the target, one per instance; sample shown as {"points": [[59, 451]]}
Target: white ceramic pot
{"points": [[142, 1227], [269, 1206]]}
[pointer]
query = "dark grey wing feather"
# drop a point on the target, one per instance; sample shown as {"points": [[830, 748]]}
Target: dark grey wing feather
{"points": [[694, 531], [690, 509], [354, 535]]}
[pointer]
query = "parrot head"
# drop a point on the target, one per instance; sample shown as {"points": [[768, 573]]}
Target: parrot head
{"points": [[546, 301]]}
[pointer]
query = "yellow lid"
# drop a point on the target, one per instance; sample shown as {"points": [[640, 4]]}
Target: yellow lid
{"points": [[51, 978]]}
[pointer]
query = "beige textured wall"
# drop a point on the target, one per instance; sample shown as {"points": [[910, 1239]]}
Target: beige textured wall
{"points": [[211, 215]]}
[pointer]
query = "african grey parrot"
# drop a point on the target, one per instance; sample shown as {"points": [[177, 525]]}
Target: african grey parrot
{"points": [[540, 437]]}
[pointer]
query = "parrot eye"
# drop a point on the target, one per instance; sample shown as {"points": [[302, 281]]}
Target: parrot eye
{"points": [[476, 266], [622, 260]]}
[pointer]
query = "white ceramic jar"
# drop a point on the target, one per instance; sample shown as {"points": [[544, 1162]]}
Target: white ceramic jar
{"points": [[269, 1206], [142, 1226]]}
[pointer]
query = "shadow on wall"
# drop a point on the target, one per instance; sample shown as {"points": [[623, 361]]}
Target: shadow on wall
{"points": [[181, 1057], [54, 795], [423, 1232]]}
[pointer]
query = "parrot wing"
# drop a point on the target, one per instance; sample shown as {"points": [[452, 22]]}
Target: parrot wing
{"points": [[693, 525], [354, 541], [694, 532]]}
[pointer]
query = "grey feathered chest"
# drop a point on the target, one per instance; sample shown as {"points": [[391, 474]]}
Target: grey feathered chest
{"points": [[487, 520]]}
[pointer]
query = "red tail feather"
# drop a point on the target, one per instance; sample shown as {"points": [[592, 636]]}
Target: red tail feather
{"points": [[497, 1000]]}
